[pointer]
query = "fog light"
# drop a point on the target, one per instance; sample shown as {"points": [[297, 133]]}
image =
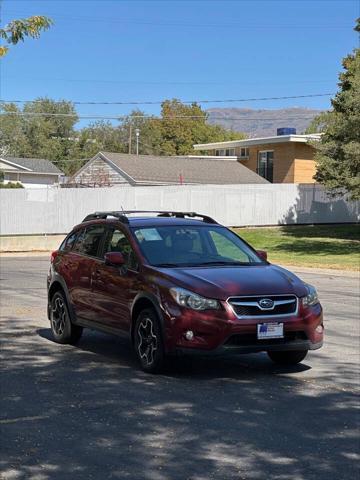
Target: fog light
{"points": [[189, 335]]}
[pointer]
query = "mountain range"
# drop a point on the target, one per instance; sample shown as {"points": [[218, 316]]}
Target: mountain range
{"points": [[262, 123]]}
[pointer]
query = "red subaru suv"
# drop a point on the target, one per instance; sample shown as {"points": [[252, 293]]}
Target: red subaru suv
{"points": [[178, 282]]}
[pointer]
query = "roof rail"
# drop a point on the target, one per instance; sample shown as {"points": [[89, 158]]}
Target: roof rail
{"points": [[204, 218], [104, 215], [122, 215]]}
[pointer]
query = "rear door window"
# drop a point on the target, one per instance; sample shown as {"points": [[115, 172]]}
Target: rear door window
{"points": [[89, 241]]}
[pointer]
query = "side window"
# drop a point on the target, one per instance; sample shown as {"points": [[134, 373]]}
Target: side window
{"points": [[79, 242], [89, 240], [226, 248], [119, 243], [69, 241]]}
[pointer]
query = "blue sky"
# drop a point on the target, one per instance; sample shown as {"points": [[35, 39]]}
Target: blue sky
{"points": [[152, 50]]}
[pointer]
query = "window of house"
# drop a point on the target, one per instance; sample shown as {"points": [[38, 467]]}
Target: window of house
{"points": [[225, 152], [88, 241], [118, 242], [266, 165], [244, 152]]}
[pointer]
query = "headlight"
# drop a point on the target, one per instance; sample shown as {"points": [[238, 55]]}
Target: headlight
{"points": [[184, 298], [311, 298]]}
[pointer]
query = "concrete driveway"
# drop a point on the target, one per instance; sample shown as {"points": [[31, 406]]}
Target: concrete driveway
{"points": [[88, 412]]}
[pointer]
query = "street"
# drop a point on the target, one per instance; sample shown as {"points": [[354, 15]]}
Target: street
{"points": [[88, 412]]}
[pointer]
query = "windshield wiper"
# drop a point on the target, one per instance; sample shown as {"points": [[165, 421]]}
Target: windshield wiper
{"points": [[212, 263], [170, 265], [219, 262]]}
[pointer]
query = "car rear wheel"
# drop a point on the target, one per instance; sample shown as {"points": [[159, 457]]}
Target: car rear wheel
{"points": [[290, 357], [148, 342], [62, 329]]}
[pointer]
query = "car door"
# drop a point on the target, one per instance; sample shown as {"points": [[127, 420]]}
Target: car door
{"points": [[84, 259], [114, 288]]}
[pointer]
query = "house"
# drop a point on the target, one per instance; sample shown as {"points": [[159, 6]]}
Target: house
{"points": [[30, 172], [109, 169], [285, 158]]}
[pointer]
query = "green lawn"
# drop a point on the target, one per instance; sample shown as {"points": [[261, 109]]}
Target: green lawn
{"points": [[321, 246]]}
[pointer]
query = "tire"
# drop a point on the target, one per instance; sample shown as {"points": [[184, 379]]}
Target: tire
{"points": [[289, 357], [148, 341], [62, 329]]}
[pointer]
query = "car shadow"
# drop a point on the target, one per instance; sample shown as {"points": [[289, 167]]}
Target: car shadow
{"points": [[117, 349]]}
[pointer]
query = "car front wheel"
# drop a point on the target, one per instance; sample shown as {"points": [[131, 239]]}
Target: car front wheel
{"points": [[148, 342], [62, 329], [290, 357]]}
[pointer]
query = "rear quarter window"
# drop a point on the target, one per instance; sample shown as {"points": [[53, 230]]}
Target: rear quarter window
{"points": [[69, 241]]}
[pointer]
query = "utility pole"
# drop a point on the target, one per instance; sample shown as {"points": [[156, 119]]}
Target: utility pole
{"points": [[130, 132], [137, 133]]}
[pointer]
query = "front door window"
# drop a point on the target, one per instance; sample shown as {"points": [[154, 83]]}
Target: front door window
{"points": [[119, 243]]}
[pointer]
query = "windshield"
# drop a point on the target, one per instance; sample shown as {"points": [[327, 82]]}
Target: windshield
{"points": [[180, 246]]}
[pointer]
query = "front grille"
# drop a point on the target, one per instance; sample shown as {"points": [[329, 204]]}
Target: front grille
{"points": [[240, 340], [250, 306]]}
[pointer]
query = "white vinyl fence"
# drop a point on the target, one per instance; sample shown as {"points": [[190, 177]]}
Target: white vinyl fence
{"points": [[56, 210]]}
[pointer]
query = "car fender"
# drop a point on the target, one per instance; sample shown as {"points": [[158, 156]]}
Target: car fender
{"points": [[154, 300], [56, 278]]}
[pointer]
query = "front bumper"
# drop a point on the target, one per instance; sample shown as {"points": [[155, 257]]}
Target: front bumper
{"points": [[220, 332], [234, 349]]}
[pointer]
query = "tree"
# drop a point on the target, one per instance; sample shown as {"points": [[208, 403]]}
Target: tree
{"points": [[28, 132], [338, 156], [100, 135], [12, 138], [318, 124], [45, 128], [17, 30], [179, 127]]}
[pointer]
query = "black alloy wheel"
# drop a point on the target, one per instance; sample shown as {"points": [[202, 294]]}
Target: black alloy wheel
{"points": [[148, 341], [62, 328]]}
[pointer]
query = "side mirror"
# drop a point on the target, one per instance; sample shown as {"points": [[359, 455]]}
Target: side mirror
{"points": [[262, 254], [115, 259]]}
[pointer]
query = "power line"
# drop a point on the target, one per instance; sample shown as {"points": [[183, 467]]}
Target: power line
{"points": [[159, 102], [152, 117], [238, 26], [153, 82]]}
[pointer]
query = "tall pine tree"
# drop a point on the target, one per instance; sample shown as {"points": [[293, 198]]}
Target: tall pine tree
{"points": [[338, 153]]}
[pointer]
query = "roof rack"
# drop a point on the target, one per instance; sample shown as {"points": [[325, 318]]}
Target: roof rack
{"points": [[103, 215], [122, 215]]}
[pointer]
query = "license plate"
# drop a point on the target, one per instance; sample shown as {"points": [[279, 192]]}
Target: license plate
{"points": [[270, 330]]}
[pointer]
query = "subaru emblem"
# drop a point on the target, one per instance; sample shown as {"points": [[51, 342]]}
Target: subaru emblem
{"points": [[266, 304]]}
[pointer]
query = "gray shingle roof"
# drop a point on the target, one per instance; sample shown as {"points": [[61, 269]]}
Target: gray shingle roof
{"points": [[163, 169], [37, 165]]}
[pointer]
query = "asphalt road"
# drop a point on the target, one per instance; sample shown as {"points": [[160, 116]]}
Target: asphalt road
{"points": [[88, 412]]}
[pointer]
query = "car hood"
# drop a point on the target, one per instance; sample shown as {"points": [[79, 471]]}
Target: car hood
{"points": [[223, 282]]}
